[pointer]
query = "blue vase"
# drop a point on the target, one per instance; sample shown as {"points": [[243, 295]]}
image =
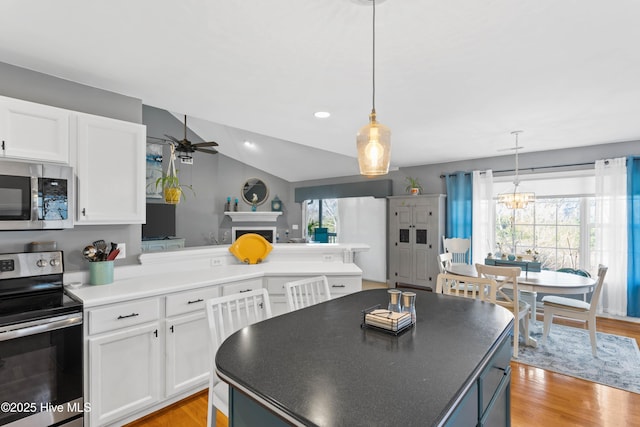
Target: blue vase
{"points": [[511, 257]]}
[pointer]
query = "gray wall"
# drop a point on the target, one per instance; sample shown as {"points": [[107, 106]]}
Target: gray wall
{"points": [[25, 84], [214, 178], [429, 175]]}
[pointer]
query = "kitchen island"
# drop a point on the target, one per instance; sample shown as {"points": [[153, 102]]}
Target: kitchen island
{"points": [[317, 366]]}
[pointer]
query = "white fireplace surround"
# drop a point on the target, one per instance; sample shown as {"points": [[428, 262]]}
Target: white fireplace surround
{"points": [[253, 216]]}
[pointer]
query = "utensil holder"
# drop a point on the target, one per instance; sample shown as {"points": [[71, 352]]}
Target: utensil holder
{"points": [[101, 272]]}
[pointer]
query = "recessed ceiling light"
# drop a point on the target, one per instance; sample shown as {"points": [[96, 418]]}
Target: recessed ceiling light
{"points": [[321, 114]]}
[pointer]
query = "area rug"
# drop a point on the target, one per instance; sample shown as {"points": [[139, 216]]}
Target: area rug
{"points": [[568, 351]]}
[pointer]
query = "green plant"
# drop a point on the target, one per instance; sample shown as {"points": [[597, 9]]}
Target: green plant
{"points": [[413, 183], [170, 183]]}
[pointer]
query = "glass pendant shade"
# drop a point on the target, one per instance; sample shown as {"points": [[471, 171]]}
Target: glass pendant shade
{"points": [[374, 148]]}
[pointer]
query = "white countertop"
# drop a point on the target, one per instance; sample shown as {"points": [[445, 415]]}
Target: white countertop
{"points": [[162, 283]]}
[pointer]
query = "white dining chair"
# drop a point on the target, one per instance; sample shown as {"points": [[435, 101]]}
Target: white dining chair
{"points": [[480, 288], [444, 261], [575, 309], [225, 316], [305, 292], [459, 248], [507, 279]]}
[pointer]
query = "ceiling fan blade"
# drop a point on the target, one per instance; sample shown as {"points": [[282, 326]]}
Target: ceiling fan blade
{"points": [[206, 144], [174, 139], [205, 150]]}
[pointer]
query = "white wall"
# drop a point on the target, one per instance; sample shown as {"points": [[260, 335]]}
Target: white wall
{"points": [[364, 220]]}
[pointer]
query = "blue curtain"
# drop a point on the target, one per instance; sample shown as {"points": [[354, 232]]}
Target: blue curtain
{"points": [[459, 200], [633, 236]]}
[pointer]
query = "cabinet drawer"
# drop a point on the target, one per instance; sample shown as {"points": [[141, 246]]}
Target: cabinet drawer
{"points": [[494, 373], [243, 286], [275, 285], [189, 301], [123, 315], [344, 284]]}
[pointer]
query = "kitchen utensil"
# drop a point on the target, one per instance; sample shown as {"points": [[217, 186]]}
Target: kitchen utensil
{"points": [[113, 254], [114, 246], [101, 247], [90, 253]]}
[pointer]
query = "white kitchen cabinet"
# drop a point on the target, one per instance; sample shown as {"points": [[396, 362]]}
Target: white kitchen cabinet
{"points": [[416, 227], [110, 169], [339, 285], [124, 367], [31, 131], [188, 361]]}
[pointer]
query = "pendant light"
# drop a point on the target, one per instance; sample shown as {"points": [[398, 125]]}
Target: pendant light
{"points": [[374, 139], [515, 199]]}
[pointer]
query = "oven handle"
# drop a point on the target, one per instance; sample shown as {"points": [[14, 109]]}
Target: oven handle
{"points": [[38, 326]]}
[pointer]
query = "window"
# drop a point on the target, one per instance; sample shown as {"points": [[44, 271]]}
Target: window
{"points": [[560, 229], [559, 225], [322, 213]]}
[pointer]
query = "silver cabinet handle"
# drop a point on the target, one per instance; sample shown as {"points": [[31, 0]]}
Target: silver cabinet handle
{"points": [[128, 315]]}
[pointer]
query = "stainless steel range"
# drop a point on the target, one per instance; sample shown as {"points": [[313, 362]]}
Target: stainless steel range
{"points": [[40, 343]]}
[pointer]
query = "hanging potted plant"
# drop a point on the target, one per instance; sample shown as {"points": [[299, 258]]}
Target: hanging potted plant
{"points": [[170, 183], [413, 186]]}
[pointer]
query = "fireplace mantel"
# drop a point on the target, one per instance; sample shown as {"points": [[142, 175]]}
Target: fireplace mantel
{"points": [[253, 216]]}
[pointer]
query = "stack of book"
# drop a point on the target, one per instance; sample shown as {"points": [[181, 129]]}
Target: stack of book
{"points": [[386, 319]]}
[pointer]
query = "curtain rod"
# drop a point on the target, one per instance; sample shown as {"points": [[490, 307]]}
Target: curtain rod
{"points": [[533, 169]]}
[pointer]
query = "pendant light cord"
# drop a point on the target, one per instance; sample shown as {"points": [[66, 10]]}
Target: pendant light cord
{"points": [[373, 100]]}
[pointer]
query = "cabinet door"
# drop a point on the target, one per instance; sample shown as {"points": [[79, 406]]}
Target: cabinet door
{"points": [[403, 245], [422, 247], [111, 171], [188, 361], [124, 369], [33, 131]]}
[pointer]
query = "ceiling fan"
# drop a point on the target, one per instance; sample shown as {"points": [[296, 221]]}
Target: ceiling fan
{"points": [[186, 147]]}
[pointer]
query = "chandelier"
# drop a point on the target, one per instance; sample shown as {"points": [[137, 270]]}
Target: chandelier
{"points": [[374, 140], [516, 199]]}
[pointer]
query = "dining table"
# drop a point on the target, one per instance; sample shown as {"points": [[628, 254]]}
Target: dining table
{"points": [[544, 281]]}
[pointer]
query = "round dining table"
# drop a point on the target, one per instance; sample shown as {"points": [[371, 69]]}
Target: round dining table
{"points": [[545, 281]]}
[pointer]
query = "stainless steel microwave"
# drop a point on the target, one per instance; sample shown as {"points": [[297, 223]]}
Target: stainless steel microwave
{"points": [[35, 196]]}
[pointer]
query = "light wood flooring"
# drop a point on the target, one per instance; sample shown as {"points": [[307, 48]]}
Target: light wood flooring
{"points": [[538, 397]]}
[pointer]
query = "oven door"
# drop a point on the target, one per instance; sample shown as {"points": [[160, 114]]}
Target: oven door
{"points": [[41, 372]]}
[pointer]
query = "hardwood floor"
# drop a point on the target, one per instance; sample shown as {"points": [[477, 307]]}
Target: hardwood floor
{"points": [[538, 397]]}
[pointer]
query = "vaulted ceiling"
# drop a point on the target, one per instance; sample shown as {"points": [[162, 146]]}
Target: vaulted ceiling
{"points": [[453, 78]]}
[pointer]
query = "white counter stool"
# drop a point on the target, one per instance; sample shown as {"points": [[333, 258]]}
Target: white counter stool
{"points": [[305, 292], [226, 315]]}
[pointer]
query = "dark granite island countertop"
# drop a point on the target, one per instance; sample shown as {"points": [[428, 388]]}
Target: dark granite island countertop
{"points": [[317, 366]]}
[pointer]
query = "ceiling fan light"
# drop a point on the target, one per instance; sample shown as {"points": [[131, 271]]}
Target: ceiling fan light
{"points": [[374, 148]]}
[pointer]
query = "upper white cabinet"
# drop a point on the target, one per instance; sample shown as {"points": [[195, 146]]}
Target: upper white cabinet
{"points": [[31, 131], [110, 167]]}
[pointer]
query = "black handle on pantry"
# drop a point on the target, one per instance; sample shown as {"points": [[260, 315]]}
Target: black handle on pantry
{"points": [[246, 290], [128, 315], [171, 328], [84, 212], [155, 333], [194, 301], [2, 145]]}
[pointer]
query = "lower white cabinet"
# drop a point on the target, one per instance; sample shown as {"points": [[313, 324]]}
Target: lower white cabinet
{"points": [[188, 362], [124, 368]]}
